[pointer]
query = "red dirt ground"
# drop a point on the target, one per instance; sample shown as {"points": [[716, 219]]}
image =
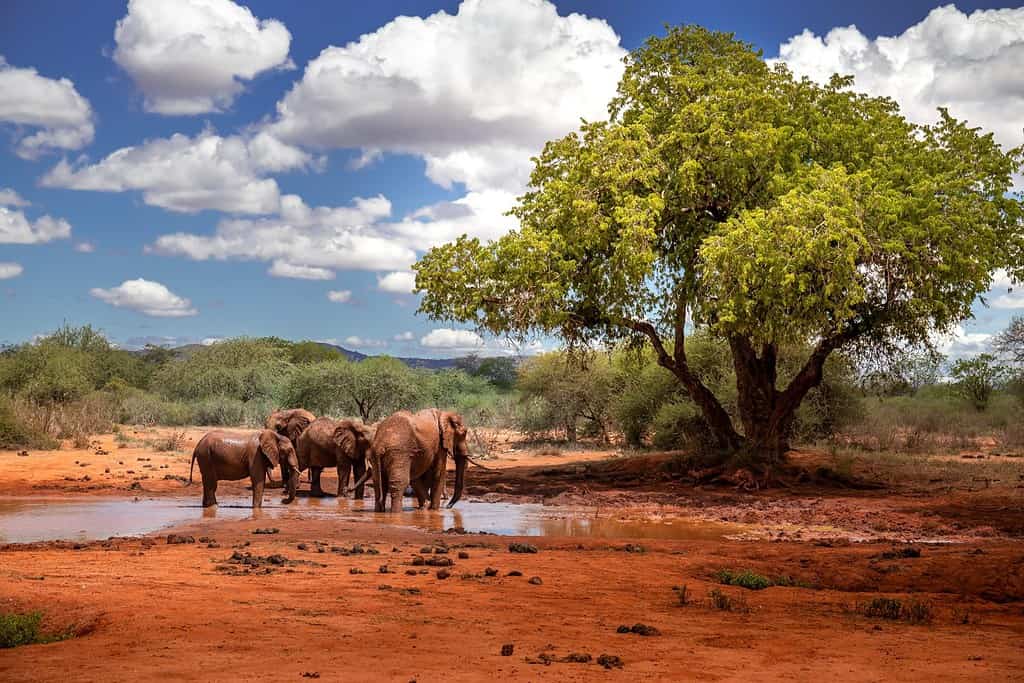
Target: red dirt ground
{"points": [[148, 610]]}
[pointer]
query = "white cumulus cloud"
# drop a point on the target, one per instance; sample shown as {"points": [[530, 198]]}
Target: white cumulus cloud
{"points": [[281, 268], [339, 296], [190, 174], [9, 197], [959, 342], [301, 236], [362, 343], [85, 247], [475, 93], [191, 56], [971, 64], [146, 297], [399, 282], [9, 270], [53, 108], [15, 228], [447, 338]]}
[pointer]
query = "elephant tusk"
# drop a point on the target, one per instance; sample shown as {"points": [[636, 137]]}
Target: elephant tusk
{"points": [[483, 467]]}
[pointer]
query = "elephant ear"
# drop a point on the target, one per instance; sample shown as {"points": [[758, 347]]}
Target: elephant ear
{"points": [[296, 425], [344, 438], [451, 429], [268, 445]]}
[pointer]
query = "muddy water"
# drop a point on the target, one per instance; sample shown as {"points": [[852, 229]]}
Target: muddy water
{"points": [[24, 520]]}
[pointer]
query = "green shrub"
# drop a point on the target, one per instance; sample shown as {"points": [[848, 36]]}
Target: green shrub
{"points": [[144, 408], [743, 579], [24, 629], [16, 432]]}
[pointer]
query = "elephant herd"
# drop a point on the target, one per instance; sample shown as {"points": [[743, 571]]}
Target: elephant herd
{"points": [[405, 450]]}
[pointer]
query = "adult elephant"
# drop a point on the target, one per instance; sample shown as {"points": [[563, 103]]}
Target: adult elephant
{"points": [[290, 423], [413, 448], [230, 456], [335, 443]]}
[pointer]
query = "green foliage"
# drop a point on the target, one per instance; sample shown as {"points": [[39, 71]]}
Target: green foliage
{"points": [[977, 378], [24, 629], [320, 387], [776, 212], [563, 389], [312, 352], [243, 369], [380, 385], [17, 432], [743, 579]]}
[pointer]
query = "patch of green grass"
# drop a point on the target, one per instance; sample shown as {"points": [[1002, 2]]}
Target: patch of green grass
{"points": [[23, 629], [743, 579]]}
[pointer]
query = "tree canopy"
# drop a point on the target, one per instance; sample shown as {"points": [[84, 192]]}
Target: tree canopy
{"points": [[724, 194]]}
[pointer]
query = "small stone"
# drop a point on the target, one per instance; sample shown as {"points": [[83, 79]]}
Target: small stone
{"points": [[355, 570], [426, 550], [411, 572], [443, 573], [440, 550], [514, 572], [383, 569], [507, 649], [302, 546], [267, 530], [490, 571], [418, 561], [644, 630], [521, 548], [536, 580], [610, 661], [463, 555], [174, 539]]}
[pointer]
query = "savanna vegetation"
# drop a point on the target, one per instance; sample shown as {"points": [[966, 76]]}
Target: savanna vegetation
{"points": [[74, 383]]}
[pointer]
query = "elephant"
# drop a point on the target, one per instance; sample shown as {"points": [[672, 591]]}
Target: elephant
{"points": [[232, 456], [290, 423], [413, 448], [335, 443]]}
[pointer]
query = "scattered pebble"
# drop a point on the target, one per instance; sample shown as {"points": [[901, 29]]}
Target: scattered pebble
{"points": [[507, 649], [521, 548], [443, 573], [610, 661], [536, 580], [267, 530], [174, 539], [490, 571], [514, 572], [463, 555]]}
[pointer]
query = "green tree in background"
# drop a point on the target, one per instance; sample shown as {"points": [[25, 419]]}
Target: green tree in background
{"points": [[978, 378], [725, 195]]}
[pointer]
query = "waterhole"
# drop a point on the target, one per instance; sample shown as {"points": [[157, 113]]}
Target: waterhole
{"points": [[25, 520]]}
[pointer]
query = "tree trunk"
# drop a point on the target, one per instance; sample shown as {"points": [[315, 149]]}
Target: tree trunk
{"points": [[570, 430]]}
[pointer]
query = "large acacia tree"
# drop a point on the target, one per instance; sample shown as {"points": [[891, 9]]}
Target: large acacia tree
{"points": [[723, 193]]}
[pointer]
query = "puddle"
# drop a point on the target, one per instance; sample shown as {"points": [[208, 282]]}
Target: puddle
{"points": [[25, 520]]}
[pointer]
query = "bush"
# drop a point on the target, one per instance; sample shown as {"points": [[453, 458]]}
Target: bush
{"points": [[17, 432], [24, 629], [144, 408], [743, 579]]}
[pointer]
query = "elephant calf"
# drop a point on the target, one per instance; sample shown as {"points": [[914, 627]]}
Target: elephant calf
{"points": [[232, 456], [335, 443]]}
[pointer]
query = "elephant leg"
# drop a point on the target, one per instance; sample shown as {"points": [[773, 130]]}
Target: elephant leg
{"points": [[379, 490], [358, 470], [419, 487], [314, 475], [344, 469], [257, 490], [396, 487], [437, 488], [209, 492]]}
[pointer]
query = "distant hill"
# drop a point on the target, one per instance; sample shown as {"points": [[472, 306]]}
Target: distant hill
{"points": [[428, 363]]}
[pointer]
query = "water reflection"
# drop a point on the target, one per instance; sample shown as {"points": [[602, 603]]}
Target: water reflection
{"points": [[32, 519]]}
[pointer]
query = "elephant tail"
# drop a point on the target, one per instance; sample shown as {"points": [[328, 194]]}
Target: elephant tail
{"points": [[191, 466]]}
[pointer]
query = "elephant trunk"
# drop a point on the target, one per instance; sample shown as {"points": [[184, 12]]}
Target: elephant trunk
{"points": [[291, 477], [460, 479]]}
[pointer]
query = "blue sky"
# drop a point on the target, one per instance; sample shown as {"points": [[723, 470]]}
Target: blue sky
{"points": [[182, 184]]}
